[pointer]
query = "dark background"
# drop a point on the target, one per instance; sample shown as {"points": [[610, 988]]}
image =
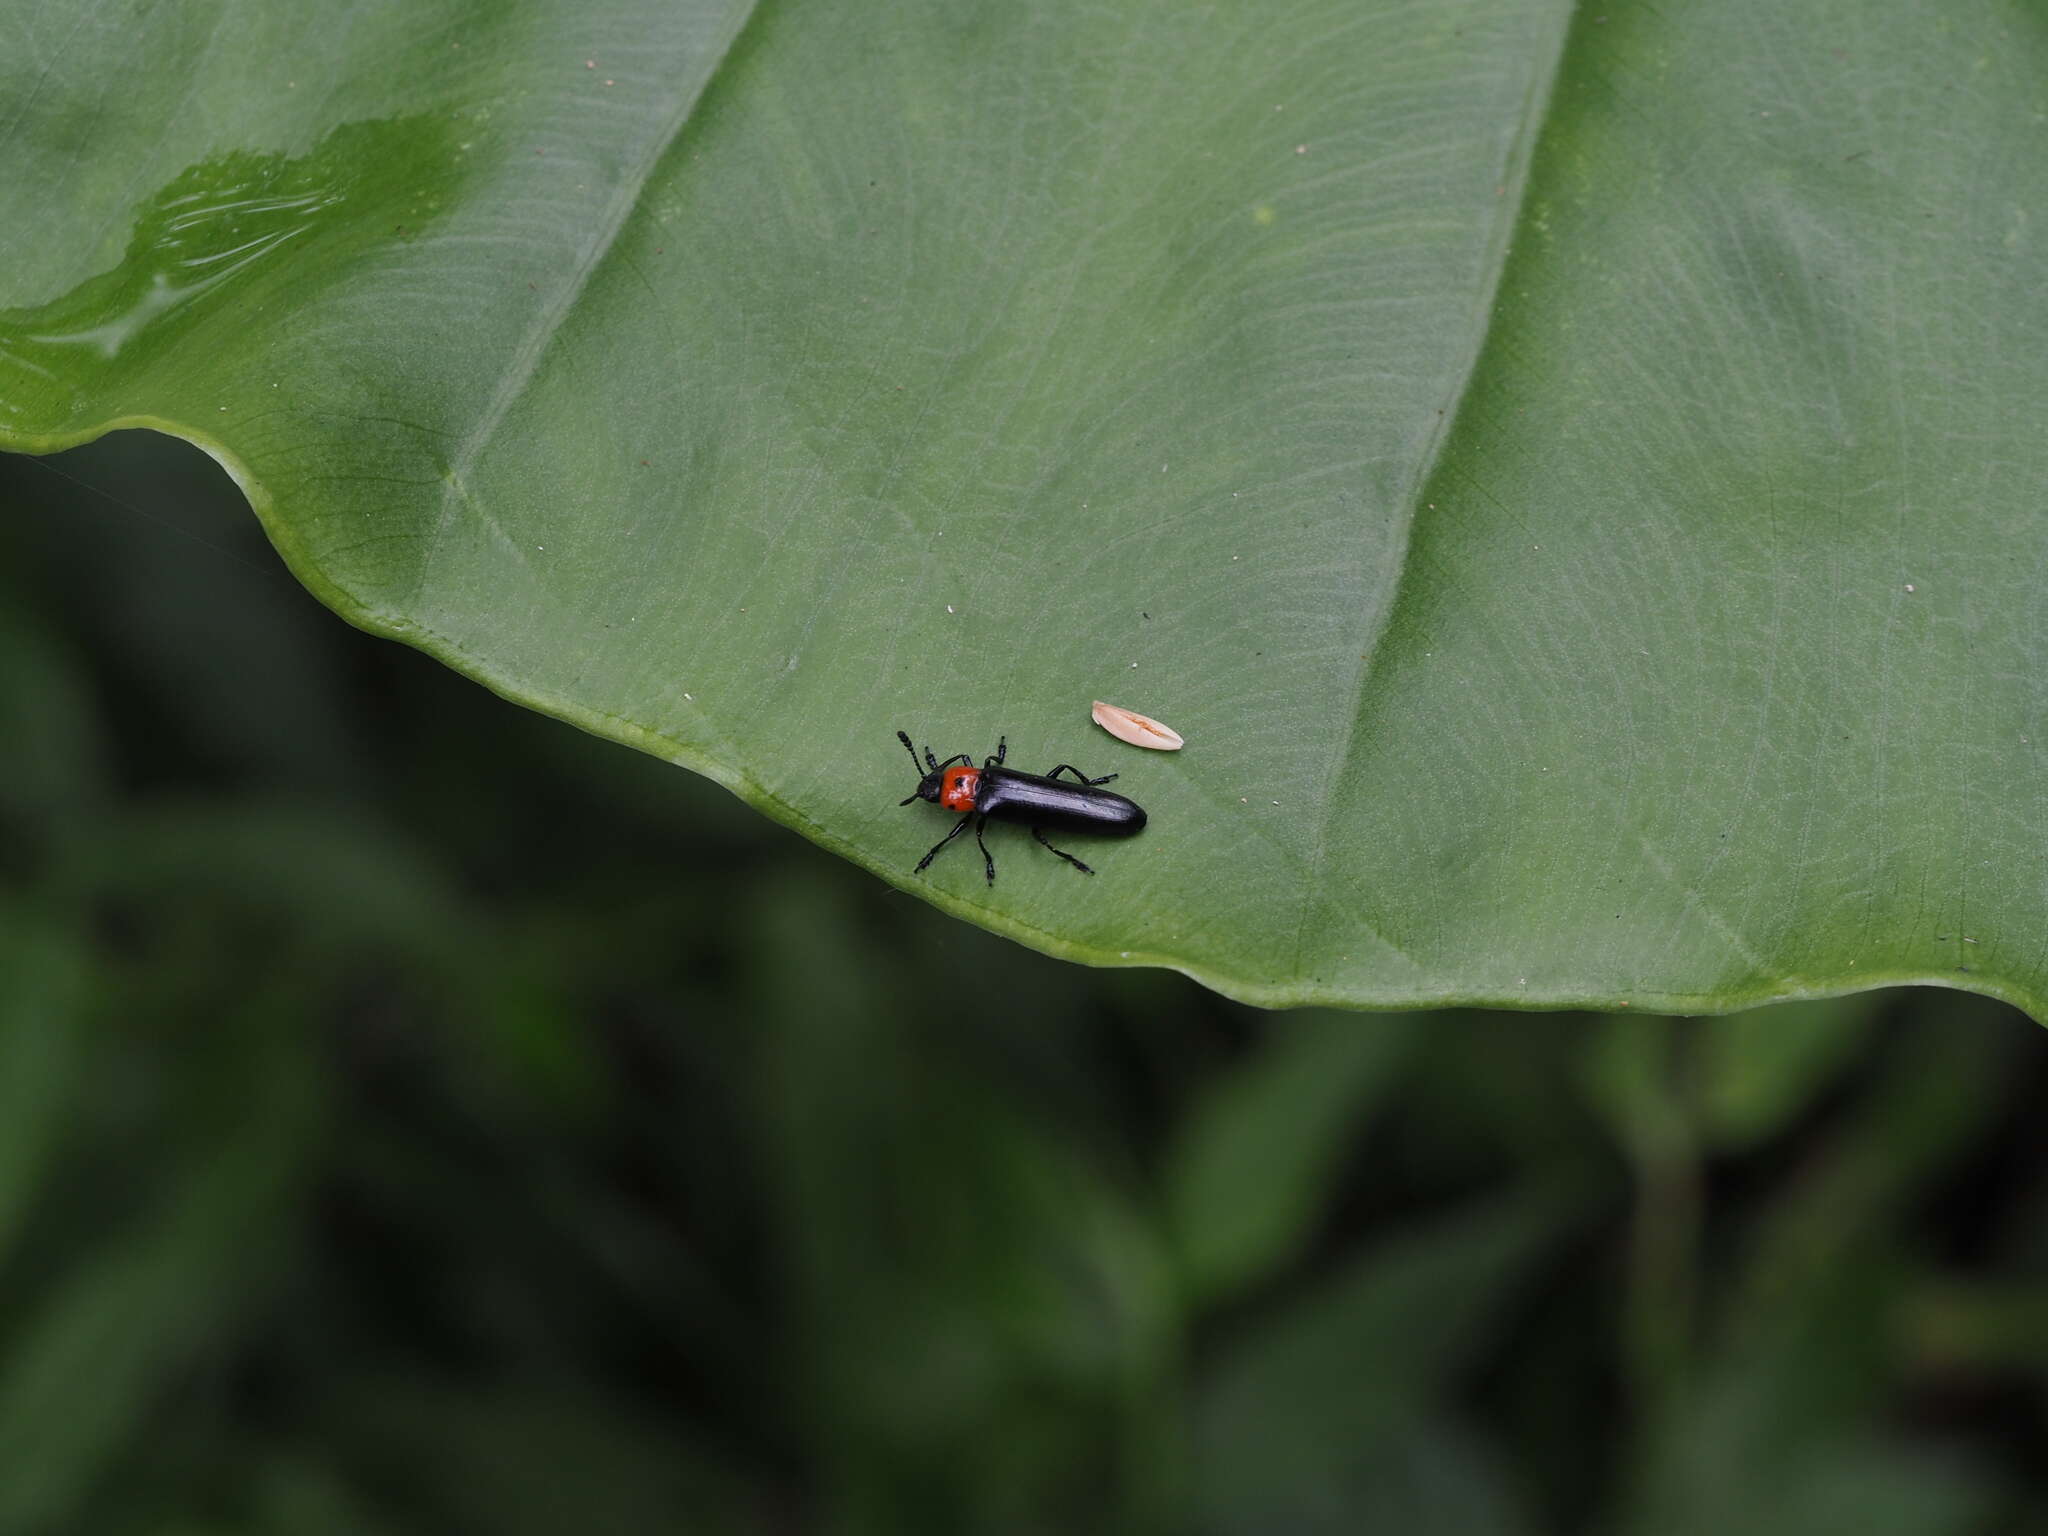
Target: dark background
{"points": [[416, 1116]]}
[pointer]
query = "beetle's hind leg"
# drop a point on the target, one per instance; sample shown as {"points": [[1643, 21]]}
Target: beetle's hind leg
{"points": [[1077, 773], [1061, 852], [958, 827]]}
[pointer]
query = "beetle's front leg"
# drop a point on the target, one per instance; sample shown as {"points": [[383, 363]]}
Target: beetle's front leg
{"points": [[986, 857], [958, 828]]}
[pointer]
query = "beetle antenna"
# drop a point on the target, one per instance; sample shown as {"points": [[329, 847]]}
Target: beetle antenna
{"points": [[911, 801], [904, 737]]}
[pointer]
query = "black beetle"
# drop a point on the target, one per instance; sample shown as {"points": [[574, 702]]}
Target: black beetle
{"points": [[1004, 793]]}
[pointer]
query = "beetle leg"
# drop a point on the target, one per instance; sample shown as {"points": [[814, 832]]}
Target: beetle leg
{"points": [[958, 828], [957, 757], [1002, 751], [1077, 773], [986, 858], [1067, 856]]}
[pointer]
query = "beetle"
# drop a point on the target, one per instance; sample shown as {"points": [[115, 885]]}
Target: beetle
{"points": [[1037, 801]]}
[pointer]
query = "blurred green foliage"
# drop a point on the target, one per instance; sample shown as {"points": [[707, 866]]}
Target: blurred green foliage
{"points": [[418, 1117]]}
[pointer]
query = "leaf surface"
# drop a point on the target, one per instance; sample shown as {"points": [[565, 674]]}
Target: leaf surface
{"points": [[1573, 478]]}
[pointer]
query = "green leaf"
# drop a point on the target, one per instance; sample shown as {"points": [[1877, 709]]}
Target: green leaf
{"points": [[1629, 1072], [1573, 476], [1785, 1430], [1432, 1478], [979, 1309], [1878, 1490], [1906, 1131], [43, 990], [1292, 1409], [1788, 1421], [80, 1367], [528, 1457], [52, 775], [1763, 1067], [1252, 1162]]}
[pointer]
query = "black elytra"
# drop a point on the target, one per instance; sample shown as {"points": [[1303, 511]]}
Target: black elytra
{"points": [[1034, 800]]}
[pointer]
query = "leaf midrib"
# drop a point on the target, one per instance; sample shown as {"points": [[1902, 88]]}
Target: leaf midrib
{"points": [[1521, 157], [554, 313]]}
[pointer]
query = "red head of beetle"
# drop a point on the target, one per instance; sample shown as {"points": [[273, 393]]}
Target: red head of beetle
{"points": [[955, 784], [959, 788]]}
